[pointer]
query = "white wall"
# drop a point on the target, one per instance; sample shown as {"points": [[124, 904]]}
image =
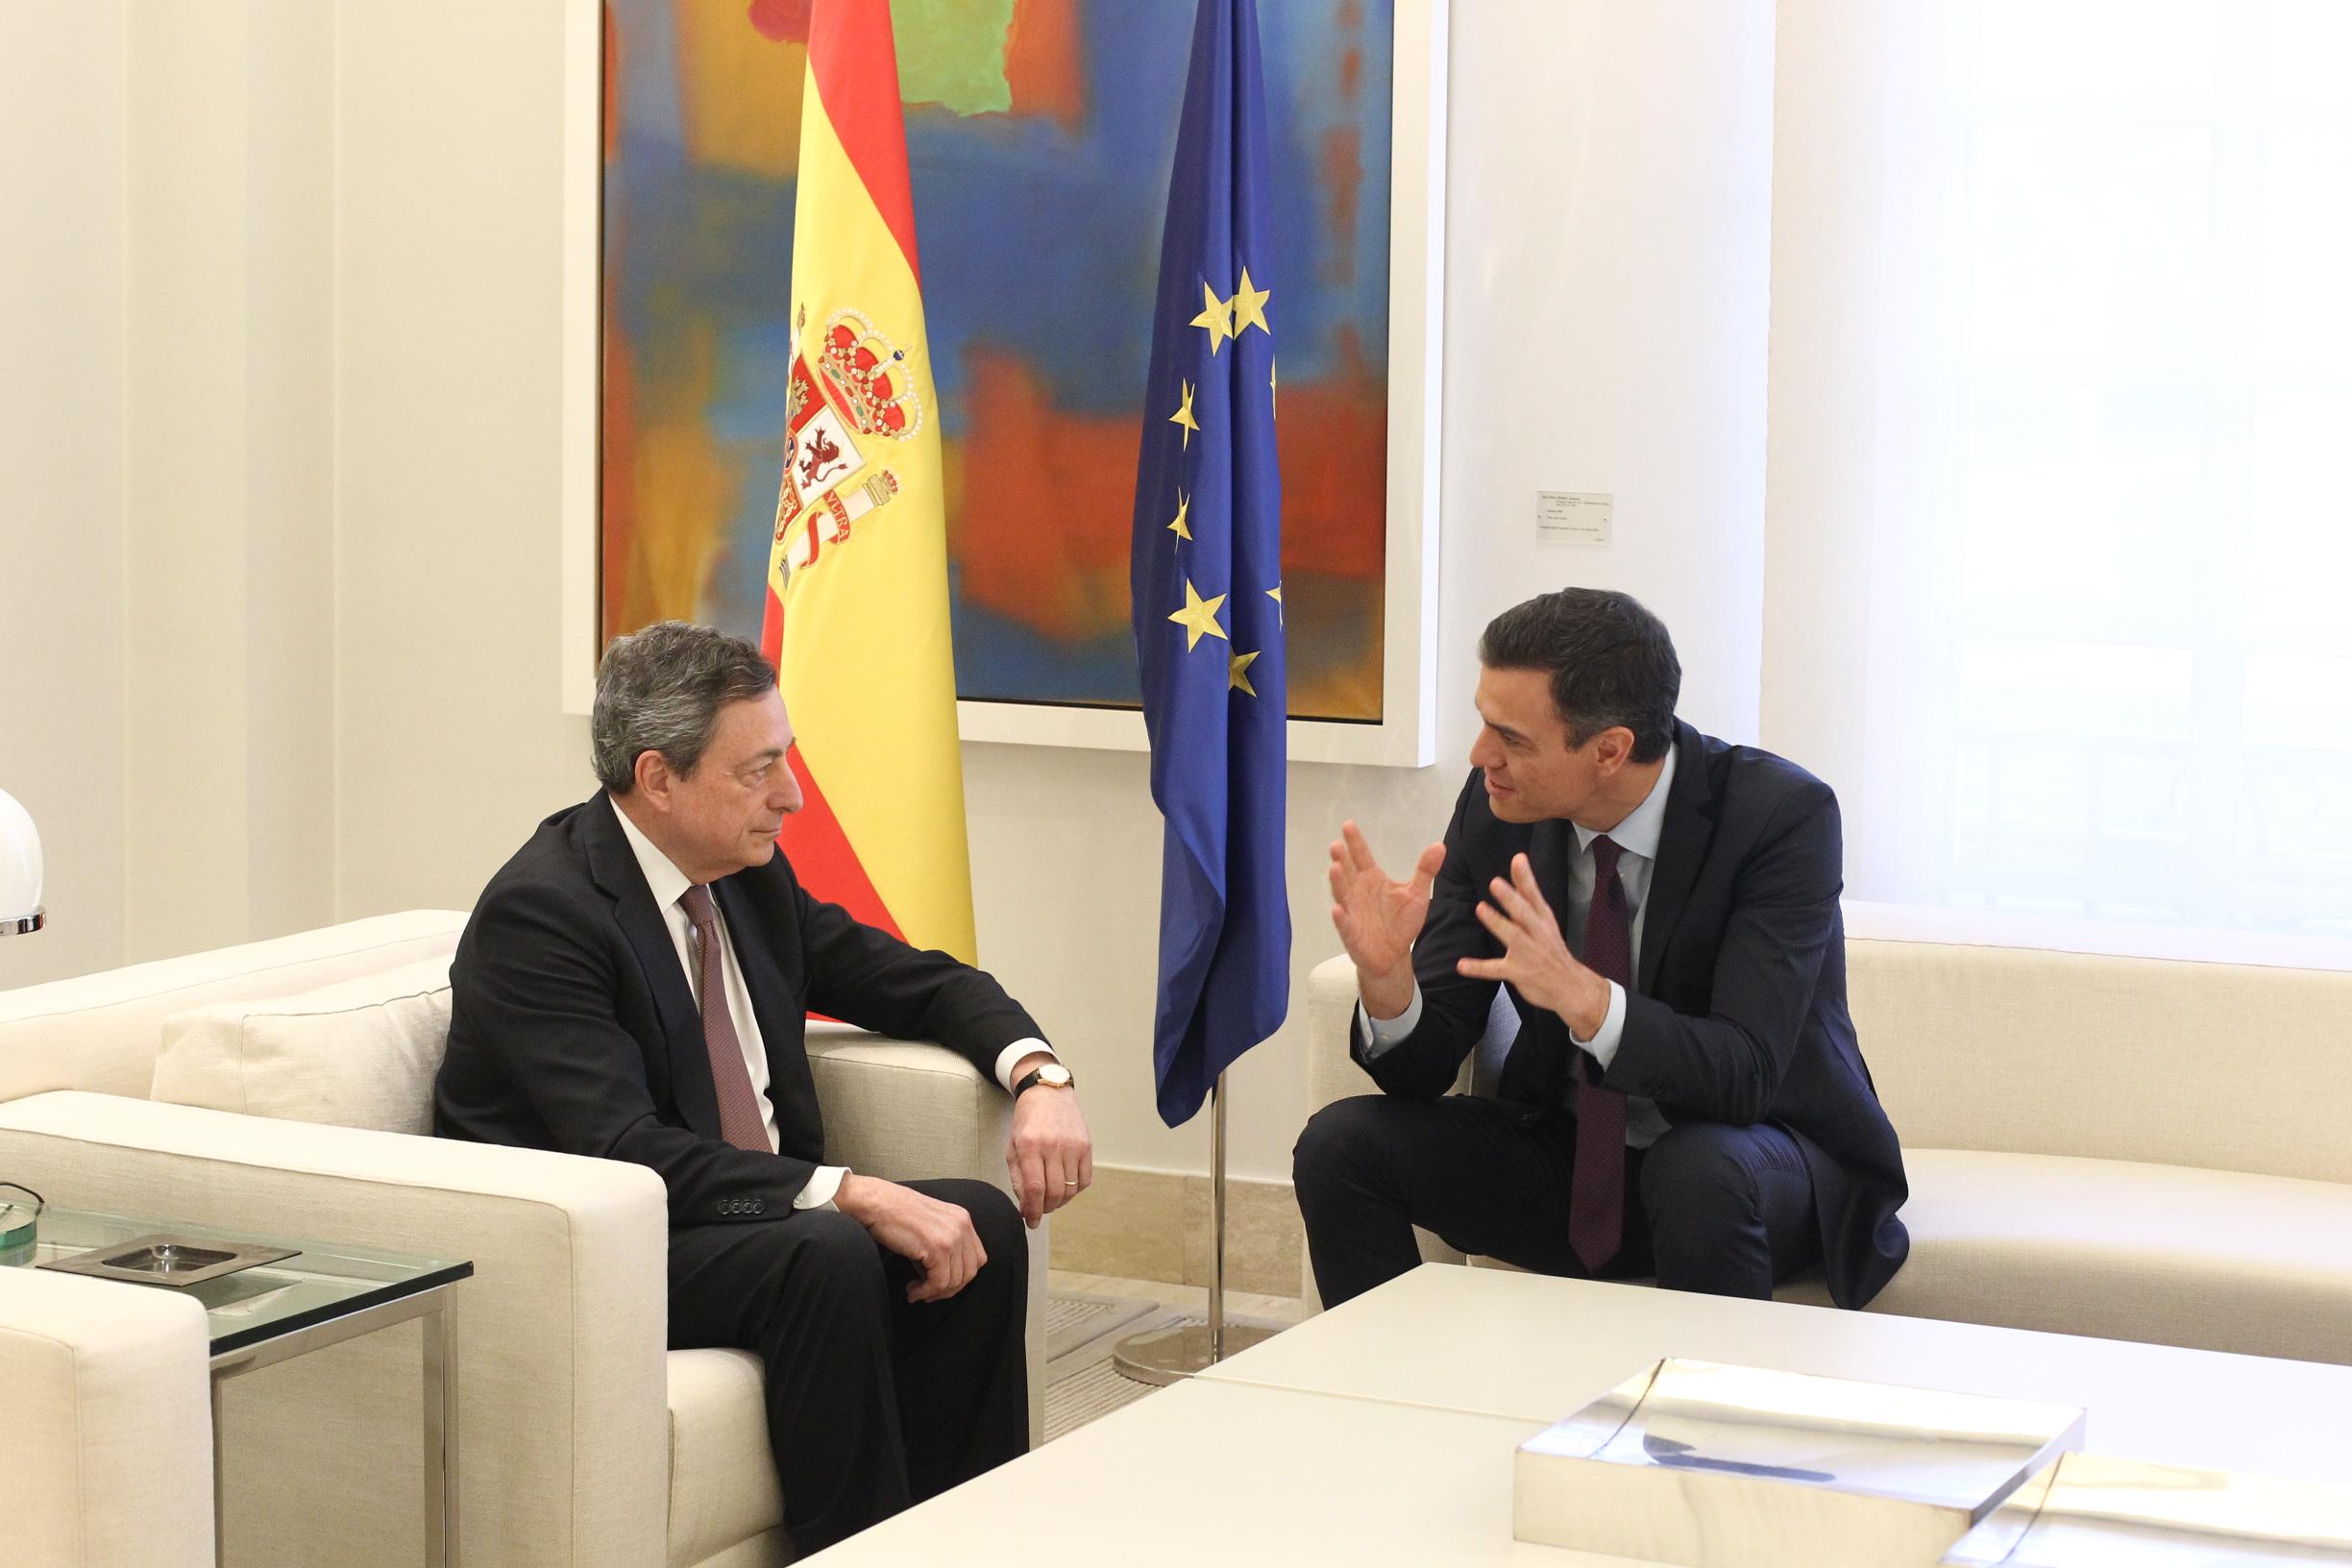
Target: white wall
{"points": [[229, 515], [1823, 382], [1607, 253], [61, 127], [448, 739]]}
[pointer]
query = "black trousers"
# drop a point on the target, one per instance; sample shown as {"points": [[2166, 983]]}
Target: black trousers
{"points": [[873, 1402], [1724, 1210]]}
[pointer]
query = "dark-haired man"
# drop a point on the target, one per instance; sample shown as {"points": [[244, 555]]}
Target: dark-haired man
{"points": [[1684, 1095], [634, 984]]}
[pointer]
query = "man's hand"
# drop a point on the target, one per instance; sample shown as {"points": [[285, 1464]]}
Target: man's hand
{"points": [[937, 1238], [1535, 958], [1051, 1156], [1378, 919]]}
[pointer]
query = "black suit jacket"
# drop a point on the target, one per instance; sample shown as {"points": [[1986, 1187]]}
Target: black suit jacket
{"points": [[572, 1027], [1738, 1013]]}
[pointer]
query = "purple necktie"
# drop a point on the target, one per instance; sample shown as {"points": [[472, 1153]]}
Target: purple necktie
{"points": [[740, 1121], [1596, 1197]]}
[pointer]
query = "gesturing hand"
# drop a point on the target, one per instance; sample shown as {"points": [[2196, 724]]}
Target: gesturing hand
{"points": [[1535, 958], [1378, 919], [937, 1238]]}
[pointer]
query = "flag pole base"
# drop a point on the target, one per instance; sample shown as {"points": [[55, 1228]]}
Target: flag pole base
{"points": [[1173, 1355], [1164, 1356]]}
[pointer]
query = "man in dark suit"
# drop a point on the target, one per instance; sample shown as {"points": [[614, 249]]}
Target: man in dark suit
{"points": [[634, 985], [1684, 1096]]}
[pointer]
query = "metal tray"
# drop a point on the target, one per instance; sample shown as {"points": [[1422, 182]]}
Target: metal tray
{"points": [[174, 1260]]}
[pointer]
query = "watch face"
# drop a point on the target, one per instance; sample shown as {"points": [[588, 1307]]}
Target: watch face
{"points": [[1054, 1075]]}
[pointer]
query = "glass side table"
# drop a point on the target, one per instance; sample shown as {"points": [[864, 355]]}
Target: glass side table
{"points": [[321, 1295]]}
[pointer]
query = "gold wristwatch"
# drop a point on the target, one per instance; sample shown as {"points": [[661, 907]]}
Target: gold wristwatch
{"points": [[1053, 1075]]}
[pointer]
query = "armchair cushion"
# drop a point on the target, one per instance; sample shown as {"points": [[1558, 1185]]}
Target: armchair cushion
{"points": [[723, 1484], [356, 1053]]}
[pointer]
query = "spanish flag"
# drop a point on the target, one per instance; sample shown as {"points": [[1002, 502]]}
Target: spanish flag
{"points": [[857, 580]]}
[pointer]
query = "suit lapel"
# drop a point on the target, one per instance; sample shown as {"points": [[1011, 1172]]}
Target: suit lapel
{"points": [[1682, 845], [614, 867]]}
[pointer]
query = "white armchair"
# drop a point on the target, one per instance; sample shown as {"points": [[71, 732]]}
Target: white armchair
{"points": [[584, 1441]]}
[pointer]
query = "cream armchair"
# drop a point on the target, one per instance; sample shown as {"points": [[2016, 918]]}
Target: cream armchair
{"points": [[584, 1441], [106, 1444]]}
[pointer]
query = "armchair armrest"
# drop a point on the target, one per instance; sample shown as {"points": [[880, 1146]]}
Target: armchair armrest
{"points": [[561, 1332], [107, 1425], [903, 1111], [1332, 1074]]}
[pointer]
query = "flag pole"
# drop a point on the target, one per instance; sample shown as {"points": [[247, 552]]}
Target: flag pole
{"points": [[1164, 1356]]}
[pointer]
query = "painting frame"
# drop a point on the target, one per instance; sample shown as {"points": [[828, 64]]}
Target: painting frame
{"points": [[1404, 735]]}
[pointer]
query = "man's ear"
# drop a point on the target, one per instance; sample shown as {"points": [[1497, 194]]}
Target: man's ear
{"points": [[654, 778], [1613, 748]]}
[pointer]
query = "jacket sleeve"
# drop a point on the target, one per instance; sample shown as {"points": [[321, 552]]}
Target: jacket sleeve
{"points": [[870, 979], [1424, 1064], [1728, 1067], [537, 995]]}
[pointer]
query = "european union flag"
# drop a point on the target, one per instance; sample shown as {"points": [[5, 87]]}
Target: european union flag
{"points": [[1207, 575]]}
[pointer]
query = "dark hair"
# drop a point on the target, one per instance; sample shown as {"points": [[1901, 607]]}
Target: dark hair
{"points": [[1610, 661], [661, 690]]}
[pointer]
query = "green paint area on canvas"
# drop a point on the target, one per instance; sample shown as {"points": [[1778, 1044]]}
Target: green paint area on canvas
{"points": [[953, 53]]}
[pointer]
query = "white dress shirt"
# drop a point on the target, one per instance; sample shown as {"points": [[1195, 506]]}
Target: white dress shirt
{"points": [[1637, 836], [668, 886]]}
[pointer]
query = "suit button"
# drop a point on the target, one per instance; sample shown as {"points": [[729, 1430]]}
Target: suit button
{"points": [[759, 1206]]}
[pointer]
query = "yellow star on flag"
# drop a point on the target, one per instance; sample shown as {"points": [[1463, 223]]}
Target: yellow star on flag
{"points": [[1183, 506], [1198, 617], [1216, 315], [1249, 307], [1184, 416], [1237, 679], [1275, 594]]}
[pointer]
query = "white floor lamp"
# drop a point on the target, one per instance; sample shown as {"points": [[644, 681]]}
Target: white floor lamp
{"points": [[21, 870]]}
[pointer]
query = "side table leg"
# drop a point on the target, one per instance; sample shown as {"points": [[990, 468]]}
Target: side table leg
{"points": [[220, 1496], [440, 1326]]}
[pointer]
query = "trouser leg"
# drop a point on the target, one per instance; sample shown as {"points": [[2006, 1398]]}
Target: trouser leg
{"points": [[1730, 1209], [962, 1365], [1491, 1178], [808, 1293]]}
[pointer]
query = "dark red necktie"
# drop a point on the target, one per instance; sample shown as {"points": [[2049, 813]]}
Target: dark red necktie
{"points": [[740, 1121], [1596, 1197]]}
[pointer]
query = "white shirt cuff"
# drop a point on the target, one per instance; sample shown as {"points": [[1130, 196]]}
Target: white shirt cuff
{"points": [[1009, 1057], [821, 1187], [1602, 1046], [1379, 1034]]}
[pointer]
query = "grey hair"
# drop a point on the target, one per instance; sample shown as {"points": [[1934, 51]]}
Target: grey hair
{"points": [[660, 690]]}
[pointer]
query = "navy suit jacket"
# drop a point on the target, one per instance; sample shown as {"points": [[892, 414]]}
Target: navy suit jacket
{"points": [[573, 1026], [1738, 1013]]}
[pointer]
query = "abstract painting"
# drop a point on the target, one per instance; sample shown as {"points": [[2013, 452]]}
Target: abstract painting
{"points": [[1040, 135]]}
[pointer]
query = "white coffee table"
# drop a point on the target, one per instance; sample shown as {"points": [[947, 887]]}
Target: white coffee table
{"points": [[1382, 1431]]}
